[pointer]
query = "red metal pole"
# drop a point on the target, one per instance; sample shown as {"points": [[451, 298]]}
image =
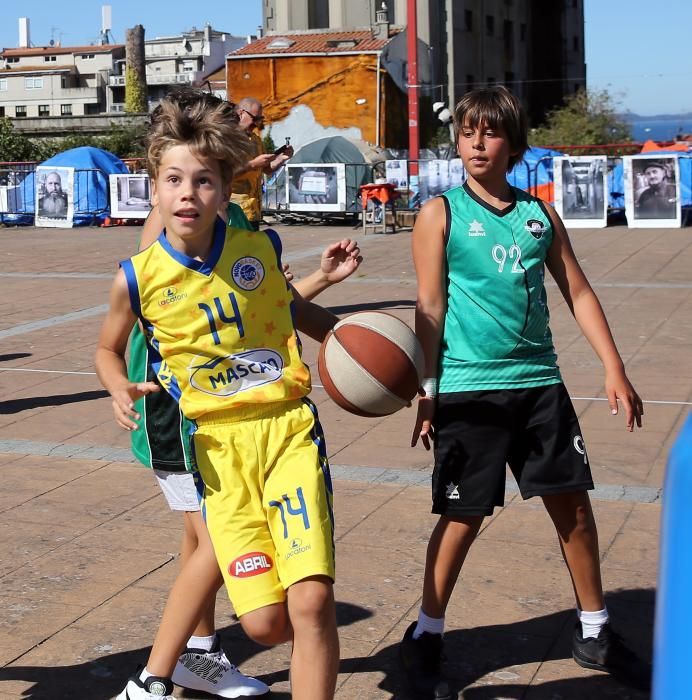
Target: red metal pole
{"points": [[412, 80]]}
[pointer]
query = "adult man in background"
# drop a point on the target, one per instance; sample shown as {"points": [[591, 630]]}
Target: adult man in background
{"points": [[247, 183]]}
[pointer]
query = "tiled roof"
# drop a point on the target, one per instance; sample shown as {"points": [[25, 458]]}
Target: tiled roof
{"points": [[43, 68], [60, 50], [311, 42]]}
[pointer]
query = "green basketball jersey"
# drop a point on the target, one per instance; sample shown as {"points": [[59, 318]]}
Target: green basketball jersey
{"points": [[496, 333], [163, 439]]}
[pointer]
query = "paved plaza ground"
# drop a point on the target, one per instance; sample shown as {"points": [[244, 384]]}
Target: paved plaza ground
{"points": [[89, 549]]}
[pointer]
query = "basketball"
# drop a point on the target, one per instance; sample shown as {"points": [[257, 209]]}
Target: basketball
{"points": [[371, 364]]}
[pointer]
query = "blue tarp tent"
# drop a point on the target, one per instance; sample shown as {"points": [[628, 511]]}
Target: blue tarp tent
{"points": [[91, 198], [540, 161]]}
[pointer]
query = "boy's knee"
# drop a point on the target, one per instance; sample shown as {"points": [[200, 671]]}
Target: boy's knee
{"points": [[312, 600], [268, 625]]}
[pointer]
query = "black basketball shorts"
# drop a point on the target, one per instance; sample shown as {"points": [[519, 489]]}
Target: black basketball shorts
{"points": [[478, 433]]}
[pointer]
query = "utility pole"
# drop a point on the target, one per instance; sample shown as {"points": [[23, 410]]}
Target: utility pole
{"points": [[412, 81]]}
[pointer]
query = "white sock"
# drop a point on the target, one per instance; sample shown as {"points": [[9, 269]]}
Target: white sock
{"points": [[205, 643], [592, 622], [433, 625], [144, 675]]}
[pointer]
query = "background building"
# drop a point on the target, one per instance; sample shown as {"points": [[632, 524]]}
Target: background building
{"points": [[535, 47]]}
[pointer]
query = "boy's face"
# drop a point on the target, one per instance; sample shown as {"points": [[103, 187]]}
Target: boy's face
{"points": [[188, 191], [483, 150]]}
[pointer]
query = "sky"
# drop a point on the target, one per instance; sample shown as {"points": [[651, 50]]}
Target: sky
{"points": [[639, 55]]}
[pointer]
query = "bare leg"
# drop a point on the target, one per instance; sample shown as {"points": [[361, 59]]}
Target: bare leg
{"points": [[194, 530], [576, 528], [449, 544], [315, 659], [196, 584]]}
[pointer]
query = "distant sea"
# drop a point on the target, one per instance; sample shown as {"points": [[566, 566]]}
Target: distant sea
{"points": [[659, 129]]}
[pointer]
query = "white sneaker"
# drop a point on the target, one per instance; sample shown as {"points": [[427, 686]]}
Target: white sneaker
{"points": [[212, 672], [153, 688]]}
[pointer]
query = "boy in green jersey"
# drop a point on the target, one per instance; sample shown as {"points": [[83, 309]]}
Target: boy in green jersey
{"points": [[493, 394]]}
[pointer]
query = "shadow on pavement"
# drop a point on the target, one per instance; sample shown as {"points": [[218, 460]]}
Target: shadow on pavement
{"points": [[19, 405]]}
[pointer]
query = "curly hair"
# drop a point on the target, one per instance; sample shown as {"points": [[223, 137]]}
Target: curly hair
{"points": [[202, 121], [494, 107]]}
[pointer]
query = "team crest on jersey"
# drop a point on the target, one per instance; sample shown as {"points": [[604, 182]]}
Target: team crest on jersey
{"points": [[536, 228], [452, 492], [250, 564], [248, 273], [229, 375]]}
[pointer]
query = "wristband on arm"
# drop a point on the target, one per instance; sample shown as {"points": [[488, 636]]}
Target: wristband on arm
{"points": [[429, 386]]}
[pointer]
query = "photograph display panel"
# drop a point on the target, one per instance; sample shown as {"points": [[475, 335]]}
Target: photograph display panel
{"points": [[581, 190], [316, 186], [396, 173], [130, 195], [54, 191], [652, 191]]}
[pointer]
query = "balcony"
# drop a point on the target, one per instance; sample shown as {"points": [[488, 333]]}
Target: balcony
{"points": [[158, 79]]}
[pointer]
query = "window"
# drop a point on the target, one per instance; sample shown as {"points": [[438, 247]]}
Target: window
{"points": [[468, 20], [508, 34], [87, 56], [522, 32], [489, 25], [2, 111], [575, 43], [3, 84], [491, 81], [509, 79], [20, 111], [12, 59], [66, 110], [52, 59], [33, 83], [469, 81], [318, 14], [44, 110]]}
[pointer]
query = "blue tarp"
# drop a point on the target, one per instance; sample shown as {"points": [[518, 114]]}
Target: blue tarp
{"points": [[535, 159], [91, 197]]}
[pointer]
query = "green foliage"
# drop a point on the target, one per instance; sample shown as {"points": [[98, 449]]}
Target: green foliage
{"points": [[586, 118], [135, 92], [439, 137], [15, 147], [268, 141]]}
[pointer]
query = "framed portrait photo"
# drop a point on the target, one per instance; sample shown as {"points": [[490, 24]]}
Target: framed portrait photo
{"points": [[130, 196], [54, 192], [581, 186], [316, 187], [396, 173], [652, 191]]}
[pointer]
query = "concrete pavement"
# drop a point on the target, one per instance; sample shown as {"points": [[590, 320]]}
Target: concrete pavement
{"points": [[90, 550]]}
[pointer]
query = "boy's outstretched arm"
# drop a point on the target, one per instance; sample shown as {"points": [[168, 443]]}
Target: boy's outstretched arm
{"points": [[312, 319], [588, 312], [110, 356], [339, 261], [428, 258]]}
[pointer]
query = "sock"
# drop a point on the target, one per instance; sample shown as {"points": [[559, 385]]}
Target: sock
{"points": [[433, 625], [592, 622], [144, 675], [204, 643]]}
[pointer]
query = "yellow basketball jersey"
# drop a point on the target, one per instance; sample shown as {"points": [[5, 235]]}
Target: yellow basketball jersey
{"points": [[223, 327]]}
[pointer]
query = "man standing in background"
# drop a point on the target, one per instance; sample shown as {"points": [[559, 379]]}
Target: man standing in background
{"points": [[247, 183]]}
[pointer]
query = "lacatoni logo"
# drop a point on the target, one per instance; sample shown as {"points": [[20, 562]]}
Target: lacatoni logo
{"points": [[297, 547], [248, 273], [535, 227], [226, 376], [171, 295], [251, 564]]}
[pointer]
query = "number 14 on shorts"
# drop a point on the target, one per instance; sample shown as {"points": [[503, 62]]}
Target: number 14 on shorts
{"points": [[286, 507]]}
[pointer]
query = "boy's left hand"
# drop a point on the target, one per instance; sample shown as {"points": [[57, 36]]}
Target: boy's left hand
{"points": [[619, 388], [340, 259]]}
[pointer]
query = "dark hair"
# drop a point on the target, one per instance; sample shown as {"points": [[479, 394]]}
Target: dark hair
{"points": [[494, 107], [202, 121]]}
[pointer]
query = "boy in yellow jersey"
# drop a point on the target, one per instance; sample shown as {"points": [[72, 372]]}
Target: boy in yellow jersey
{"points": [[219, 313]]}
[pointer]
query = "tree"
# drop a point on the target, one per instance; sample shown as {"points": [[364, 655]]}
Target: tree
{"points": [[14, 147], [586, 118], [135, 72]]}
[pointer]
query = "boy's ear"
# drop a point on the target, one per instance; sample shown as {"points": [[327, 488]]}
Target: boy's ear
{"points": [[154, 194]]}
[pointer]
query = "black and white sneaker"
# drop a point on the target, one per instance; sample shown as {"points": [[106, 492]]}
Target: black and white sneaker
{"points": [[608, 653], [153, 688], [422, 660], [213, 673]]}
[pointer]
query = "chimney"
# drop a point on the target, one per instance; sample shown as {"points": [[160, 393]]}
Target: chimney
{"points": [[24, 38], [382, 22]]}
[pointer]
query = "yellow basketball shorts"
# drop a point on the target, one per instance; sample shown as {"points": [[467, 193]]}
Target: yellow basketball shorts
{"points": [[266, 499]]}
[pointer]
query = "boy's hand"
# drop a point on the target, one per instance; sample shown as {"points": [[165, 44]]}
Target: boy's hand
{"points": [[124, 402], [287, 273], [619, 388], [340, 259], [423, 427]]}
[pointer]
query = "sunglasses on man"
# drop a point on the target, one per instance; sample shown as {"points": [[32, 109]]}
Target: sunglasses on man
{"points": [[256, 118]]}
